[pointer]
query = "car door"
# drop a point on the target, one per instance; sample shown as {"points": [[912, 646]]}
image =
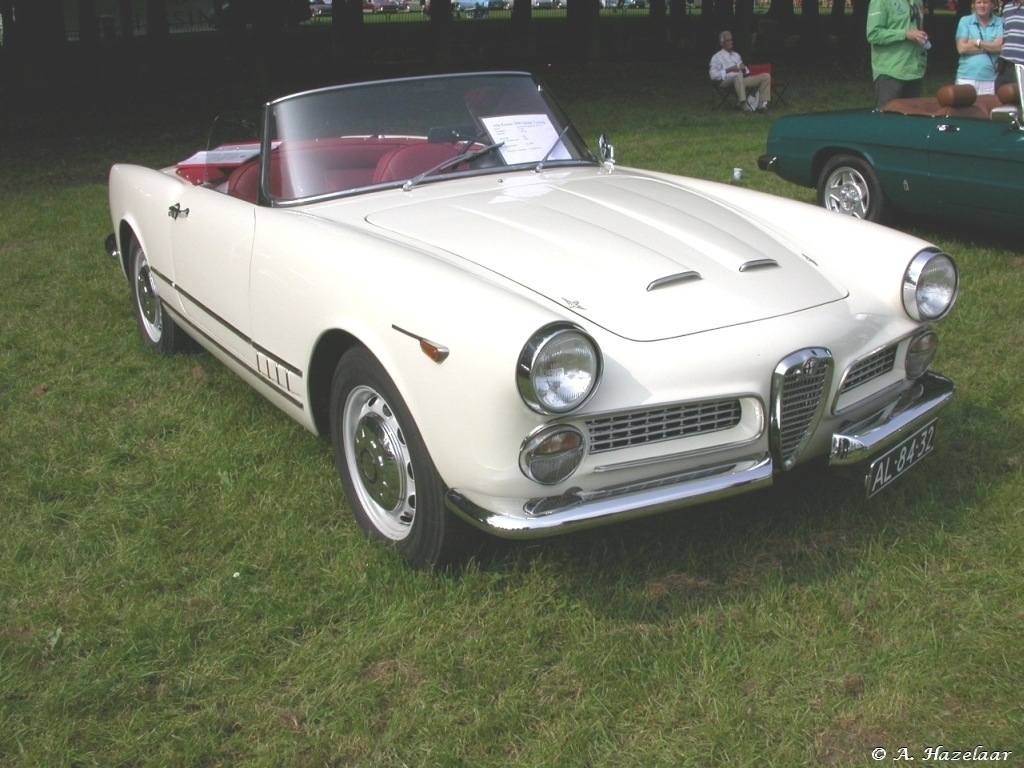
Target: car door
{"points": [[977, 168], [211, 242]]}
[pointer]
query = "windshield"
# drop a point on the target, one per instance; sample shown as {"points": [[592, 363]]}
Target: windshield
{"points": [[408, 132]]}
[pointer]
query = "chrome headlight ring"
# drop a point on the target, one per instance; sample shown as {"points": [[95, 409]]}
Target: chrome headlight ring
{"points": [[559, 369], [930, 285]]}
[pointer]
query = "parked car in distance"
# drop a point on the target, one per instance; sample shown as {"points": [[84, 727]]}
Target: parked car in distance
{"points": [[234, 16], [385, 6], [319, 8], [476, 9], [547, 4], [499, 329], [955, 155]]}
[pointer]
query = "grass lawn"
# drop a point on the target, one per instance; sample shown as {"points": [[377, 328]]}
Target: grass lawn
{"points": [[183, 585]]}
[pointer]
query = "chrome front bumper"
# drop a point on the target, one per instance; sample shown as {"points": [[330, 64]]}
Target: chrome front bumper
{"points": [[578, 509], [868, 437], [581, 509]]}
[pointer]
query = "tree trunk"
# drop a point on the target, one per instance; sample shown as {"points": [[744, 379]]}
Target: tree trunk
{"points": [[35, 41], [581, 21], [659, 20], [441, 32], [36, 27], [743, 28], [837, 17], [783, 10], [860, 15], [126, 19], [157, 26], [522, 13], [811, 37], [88, 24], [348, 40]]}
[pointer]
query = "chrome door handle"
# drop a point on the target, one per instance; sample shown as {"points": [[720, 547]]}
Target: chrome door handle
{"points": [[176, 210], [947, 128]]}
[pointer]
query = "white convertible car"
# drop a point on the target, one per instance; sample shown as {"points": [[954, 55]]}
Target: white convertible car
{"points": [[499, 329]]}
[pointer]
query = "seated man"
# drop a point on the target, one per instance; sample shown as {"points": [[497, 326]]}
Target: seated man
{"points": [[728, 72]]}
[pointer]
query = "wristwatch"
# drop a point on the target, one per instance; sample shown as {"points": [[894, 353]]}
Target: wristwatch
{"points": [[978, 43]]}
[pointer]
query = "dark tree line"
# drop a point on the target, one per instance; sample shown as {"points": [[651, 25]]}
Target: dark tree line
{"points": [[34, 29]]}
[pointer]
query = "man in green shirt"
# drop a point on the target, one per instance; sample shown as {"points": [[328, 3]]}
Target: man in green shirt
{"points": [[899, 48]]}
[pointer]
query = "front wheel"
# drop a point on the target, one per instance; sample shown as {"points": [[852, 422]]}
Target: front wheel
{"points": [[396, 494], [849, 185], [158, 331]]}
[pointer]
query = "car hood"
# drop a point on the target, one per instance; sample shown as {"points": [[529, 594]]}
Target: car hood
{"points": [[644, 257]]}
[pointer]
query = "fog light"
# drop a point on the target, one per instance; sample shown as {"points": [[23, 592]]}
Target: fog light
{"points": [[552, 454], [920, 354]]}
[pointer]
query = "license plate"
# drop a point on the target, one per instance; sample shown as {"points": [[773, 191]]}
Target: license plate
{"points": [[900, 458]]}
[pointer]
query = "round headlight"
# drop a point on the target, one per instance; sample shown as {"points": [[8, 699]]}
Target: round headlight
{"points": [[559, 369], [920, 353], [552, 454], [930, 285]]}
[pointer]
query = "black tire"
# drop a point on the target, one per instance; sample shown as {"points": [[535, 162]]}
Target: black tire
{"points": [[849, 185], [396, 494], [158, 330]]}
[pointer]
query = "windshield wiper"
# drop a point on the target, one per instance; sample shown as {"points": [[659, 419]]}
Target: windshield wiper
{"points": [[540, 165], [459, 158]]}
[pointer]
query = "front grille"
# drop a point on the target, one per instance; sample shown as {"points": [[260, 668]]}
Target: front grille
{"points": [[870, 367], [798, 391], [632, 428]]}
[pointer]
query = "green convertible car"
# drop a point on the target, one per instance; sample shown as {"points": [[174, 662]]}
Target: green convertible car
{"points": [[955, 155]]}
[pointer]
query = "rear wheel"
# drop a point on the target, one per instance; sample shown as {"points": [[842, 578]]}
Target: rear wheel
{"points": [[849, 185], [396, 494], [157, 329]]}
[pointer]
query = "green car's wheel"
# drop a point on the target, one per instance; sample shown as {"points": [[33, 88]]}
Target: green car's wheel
{"points": [[849, 185], [396, 494]]}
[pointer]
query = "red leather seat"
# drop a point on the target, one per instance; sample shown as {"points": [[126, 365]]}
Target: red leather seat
{"points": [[411, 160]]}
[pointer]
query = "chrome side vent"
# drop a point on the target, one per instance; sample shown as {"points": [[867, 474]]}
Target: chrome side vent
{"points": [[681, 277], [871, 367], [799, 386], [753, 264]]}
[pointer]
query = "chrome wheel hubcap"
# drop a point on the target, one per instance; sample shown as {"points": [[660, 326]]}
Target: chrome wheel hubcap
{"points": [[847, 192], [148, 300], [379, 463]]}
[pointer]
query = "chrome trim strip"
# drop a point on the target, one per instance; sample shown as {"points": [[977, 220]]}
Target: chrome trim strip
{"points": [[259, 376], [673, 457], [582, 510], [886, 427]]}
